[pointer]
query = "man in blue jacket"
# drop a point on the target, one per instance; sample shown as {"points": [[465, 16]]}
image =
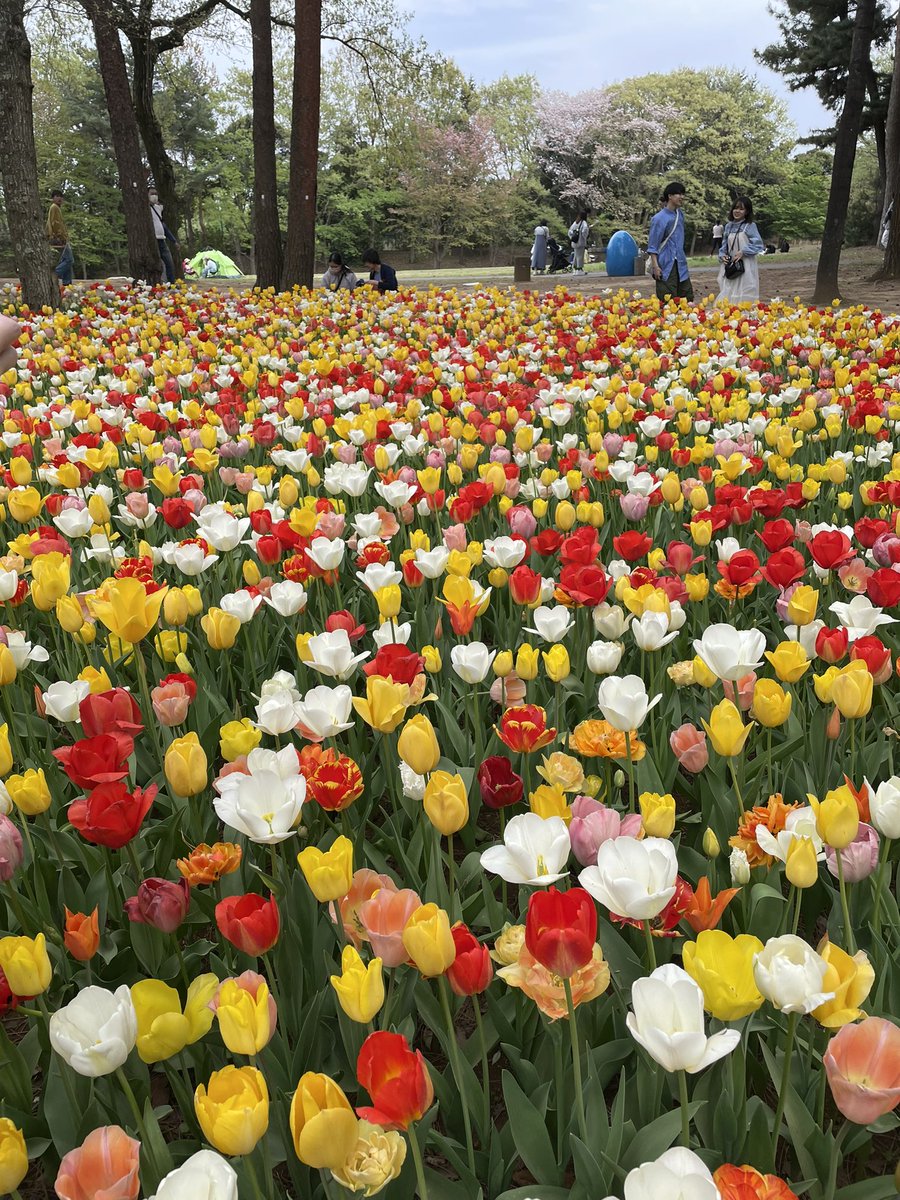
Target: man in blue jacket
{"points": [[383, 276], [665, 246]]}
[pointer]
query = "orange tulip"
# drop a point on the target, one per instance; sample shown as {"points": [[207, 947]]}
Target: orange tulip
{"points": [[82, 935], [705, 911], [105, 1164], [746, 1183]]}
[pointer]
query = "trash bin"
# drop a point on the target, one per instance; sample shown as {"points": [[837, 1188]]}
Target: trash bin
{"points": [[521, 269]]}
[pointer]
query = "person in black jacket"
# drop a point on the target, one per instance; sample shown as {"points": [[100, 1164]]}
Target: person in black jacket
{"points": [[383, 276]]}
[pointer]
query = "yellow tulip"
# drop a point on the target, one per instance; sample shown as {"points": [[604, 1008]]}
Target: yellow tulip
{"points": [[385, 703], [221, 628], [801, 866], [502, 664], [126, 608], [771, 703], [556, 663], [722, 966], [233, 1109], [418, 745], [702, 674], [99, 509], [696, 586], [549, 800], [852, 690], [13, 1151], [246, 1014], [726, 730], [329, 873], [851, 980], [237, 738], [428, 941], [6, 758], [97, 681], [359, 987], [432, 656], [169, 644], [446, 802], [527, 661], [50, 580], [837, 817], [789, 660], [163, 1028], [802, 605], [175, 607], [26, 965], [824, 684], [388, 600], [8, 669], [24, 504], [657, 814], [29, 792], [186, 766], [69, 614], [323, 1125]]}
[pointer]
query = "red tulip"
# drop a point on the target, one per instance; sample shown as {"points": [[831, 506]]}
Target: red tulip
{"points": [[249, 922], [472, 969], [176, 512], [96, 760], [775, 535], [873, 652], [396, 1078], [110, 712], [742, 568], [159, 903], [830, 548], [345, 620], [632, 545], [500, 785], [680, 557], [582, 546], [561, 929], [397, 662], [586, 584], [110, 815], [883, 587], [831, 644], [868, 530], [784, 567], [524, 585], [525, 729]]}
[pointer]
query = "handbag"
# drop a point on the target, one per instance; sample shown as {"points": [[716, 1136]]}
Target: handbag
{"points": [[731, 267]]}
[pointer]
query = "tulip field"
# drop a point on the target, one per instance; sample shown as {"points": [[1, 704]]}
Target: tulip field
{"points": [[448, 747]]}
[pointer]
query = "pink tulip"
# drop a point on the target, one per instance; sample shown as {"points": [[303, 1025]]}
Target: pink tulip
{"points": [[137, 504], [105, 1165], [171, 702], [859, 859], [330, 525], [364, 885], [862, 1063], [384, 918], [11, 853], [634, 507], [521, 521], [689, 747], [745, 686], [455, 537], [593, 823]]}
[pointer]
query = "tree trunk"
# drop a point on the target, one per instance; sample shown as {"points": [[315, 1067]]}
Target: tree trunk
{"points": [[846, 136], [143, 252], [18, 162], [300, 252], [267, 230], [160, 164], [891, 266]]}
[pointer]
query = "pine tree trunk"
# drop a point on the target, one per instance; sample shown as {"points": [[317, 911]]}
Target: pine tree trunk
{"points": [[18, 162], [267, 229], [891, 267], [845, 141], [300, 252], [143, 252], [151, 133]]}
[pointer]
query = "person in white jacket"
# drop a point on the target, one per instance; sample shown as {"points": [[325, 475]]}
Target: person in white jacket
{"points": [[579, 231]]}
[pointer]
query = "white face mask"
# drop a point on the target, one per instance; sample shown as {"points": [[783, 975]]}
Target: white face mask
{"points": [[153, 198]]}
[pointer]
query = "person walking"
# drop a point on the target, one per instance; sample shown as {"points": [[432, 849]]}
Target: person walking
{"points": [[539, 248], [163, 234], [665, 246], [717, 234], [579, 231], [739, 270], [338, 275], [59, 240]]}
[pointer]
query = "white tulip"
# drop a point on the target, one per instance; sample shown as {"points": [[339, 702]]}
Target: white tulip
{"points": [[676, 1175], [800, 823], [632, 878], [191, 560], [9, 582], [791, 975], [241, 605], [204, 1176], [96, 1031], [390, 633], [535, 851], [505, 552], [603, 658], [668, 1022], [379, 575], [624, 702], [332, 654], [325, 712], [326, 554], [397, 493], [74, 522], [731, 653], [884, 807], [860, 617], [610, 620], [23, 651], [739, 867], [220, 528], [651, 631], [286, 597], [263, 805], [551, 624], [471, 661], [432, 563], [62, 699]]}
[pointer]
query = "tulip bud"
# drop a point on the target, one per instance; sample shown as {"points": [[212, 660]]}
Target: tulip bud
{"points": [[69, 614], [82, 935], [8, 671], [446, 802], [418, 745], [801, 867], [99, 509], [833, 728], [740, 868], [432, 656], [657, 814], [556, 663], [186, 766], [359, 987], [502, 664], [329, 873], [428, 940], [175, 607], [527, 662], [711, 847]]}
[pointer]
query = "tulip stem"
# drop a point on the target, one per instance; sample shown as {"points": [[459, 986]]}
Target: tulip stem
{"points": [[785, 1084], [576, 1060], [630, 772], [798, 899], [149, 715], [179, 954], [485, 1073], [421, 1185], [135, 865], [685, 1111], [451, 873], [879, 885], [444, 989], [845, 904], [737, 789], [651, 949]]}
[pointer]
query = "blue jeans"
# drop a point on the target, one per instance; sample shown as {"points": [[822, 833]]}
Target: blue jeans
{"points": [[65, 268], [166, 255]]}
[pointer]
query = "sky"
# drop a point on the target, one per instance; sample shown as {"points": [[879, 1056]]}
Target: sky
{"points": [[587, 44]]}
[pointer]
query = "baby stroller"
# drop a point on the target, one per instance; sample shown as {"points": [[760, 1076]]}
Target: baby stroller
{"points": [[559, 259]]}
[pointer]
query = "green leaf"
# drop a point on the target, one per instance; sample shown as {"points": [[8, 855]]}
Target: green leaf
{"points": [[529, 1129], [654, 1139], [527, 1193], [882, 1188]]}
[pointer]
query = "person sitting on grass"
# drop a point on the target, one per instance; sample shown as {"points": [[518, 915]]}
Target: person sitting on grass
{"points": [[338, 275], [383, 276]]}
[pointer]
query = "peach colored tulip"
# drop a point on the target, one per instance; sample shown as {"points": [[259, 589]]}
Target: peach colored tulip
{"points": [[330, 525], [363, 887], [689, 747], [171, 702], [745, 686], [862, 1063], [104, 1167], [238, 767], [455, 537], [383, 918], [389, 523], [508, 691]]}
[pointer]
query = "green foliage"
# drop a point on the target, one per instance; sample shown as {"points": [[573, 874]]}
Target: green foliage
{"points": [[794, 207]]}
